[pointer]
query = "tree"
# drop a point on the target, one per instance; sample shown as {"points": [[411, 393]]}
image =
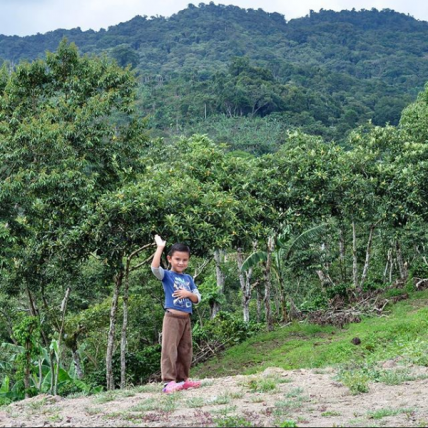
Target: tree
{"points": [[70, 134], [125, 55], [232, 176], [180, 198], [278, 254]]}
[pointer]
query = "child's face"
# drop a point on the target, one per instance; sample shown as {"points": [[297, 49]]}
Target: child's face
{"points": [[179, 261]]}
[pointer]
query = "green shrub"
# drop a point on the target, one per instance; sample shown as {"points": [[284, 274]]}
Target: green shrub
{"points": [[339, 290], [417, 352], [288, 424], [262, 385], [356, 382], [5, 401], [418, 269], [314, 304], [225, 328], [139, 367], [393, 292]]}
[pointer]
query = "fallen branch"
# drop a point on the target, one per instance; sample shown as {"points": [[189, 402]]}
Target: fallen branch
{"points": [[421, 283]]}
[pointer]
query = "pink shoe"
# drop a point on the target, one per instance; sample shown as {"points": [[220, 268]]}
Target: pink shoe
{"points": [[172, 387], [191, 384]]}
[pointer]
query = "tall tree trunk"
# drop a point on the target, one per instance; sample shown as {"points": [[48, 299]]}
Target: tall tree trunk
{"points": [[35, 313], [27, 369], [51, 312], [245, 281], [342, 254], [218, 257], [259, 304], [388, 263], [354, 257], [33, 310], [282, 299], [268, 283], [422, 256], [325, 279], [123, 339], [77, 363], [391, 269], [367, 260], [40, 382], [401, 264], [72, 344], [284, 314], [58, 354], [295, 312], [112, 330], [27, 372], [276, 300]]}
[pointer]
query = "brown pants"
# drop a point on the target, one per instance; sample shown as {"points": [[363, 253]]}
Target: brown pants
{"points": [[176, 355]]}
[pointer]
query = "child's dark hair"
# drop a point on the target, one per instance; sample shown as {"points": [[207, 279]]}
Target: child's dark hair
{"points": [[178, 247]]}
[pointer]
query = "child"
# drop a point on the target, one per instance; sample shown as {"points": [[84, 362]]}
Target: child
{"points": [[180, 294]]}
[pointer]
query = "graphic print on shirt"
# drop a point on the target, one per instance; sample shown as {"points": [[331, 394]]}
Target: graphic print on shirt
{"points": [[182, 284]]}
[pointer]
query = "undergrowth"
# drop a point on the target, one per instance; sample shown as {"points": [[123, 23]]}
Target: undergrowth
{"points": [[402, 331]]}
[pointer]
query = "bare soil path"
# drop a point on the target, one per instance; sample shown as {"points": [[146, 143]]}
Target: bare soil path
{"points": [[304, 398]]}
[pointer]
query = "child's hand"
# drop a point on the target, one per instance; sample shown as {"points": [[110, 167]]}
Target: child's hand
{"points": [[181, 294], [159, 242]]}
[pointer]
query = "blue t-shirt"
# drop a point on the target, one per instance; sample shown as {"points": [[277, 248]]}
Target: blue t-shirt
{"points": [[173, 281]]}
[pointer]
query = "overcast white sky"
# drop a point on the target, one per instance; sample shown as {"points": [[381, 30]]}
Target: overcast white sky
{"points": [[27, 17]]}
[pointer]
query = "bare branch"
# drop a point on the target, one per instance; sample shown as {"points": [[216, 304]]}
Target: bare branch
{"points": [[199, 269], [141, 264], [144, 247]]}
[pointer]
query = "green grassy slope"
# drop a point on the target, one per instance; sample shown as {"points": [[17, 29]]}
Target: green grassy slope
{"points": [[402, 332]]}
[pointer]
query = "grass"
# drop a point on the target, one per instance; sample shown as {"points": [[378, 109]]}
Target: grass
{"points": [[330, 414], [403, 332], [287, 423], [257, 399], [357, 376], [293, 400], [233, 421], [105, 397], [221, 399], [237, 395], [398, 376], [284, 406], [357, 380], [224, 411], [36, 405], [262, 385], [55, 418], [384, 413], [150, 387], [91, 411], [296, 392], [167, 403], [146, 405], [195, 402]]}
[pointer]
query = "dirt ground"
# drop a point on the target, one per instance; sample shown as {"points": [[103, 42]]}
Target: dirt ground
{"points": [[304, 398]]}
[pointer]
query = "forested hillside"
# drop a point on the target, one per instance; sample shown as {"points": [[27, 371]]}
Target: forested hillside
{"points": [[285, 226], [207, 65]]}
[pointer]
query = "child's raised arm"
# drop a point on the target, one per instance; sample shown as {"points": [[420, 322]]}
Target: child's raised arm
{"points": [[160, 243]]}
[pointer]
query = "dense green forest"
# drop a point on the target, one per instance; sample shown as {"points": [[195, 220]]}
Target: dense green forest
{"points": [[204, 67], [314, 219]]}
